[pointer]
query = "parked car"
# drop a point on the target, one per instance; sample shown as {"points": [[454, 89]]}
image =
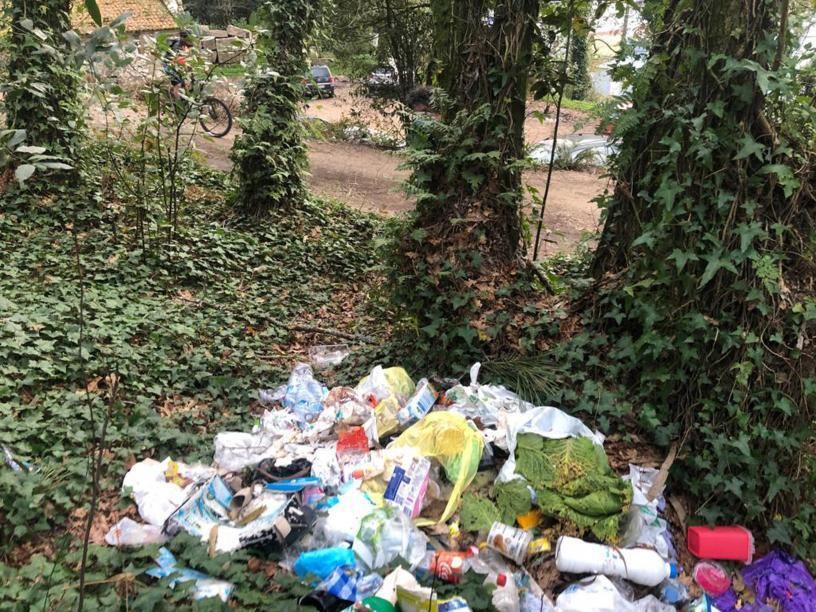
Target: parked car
{"points": [[383, 81], [319, 83], [382, 75]]}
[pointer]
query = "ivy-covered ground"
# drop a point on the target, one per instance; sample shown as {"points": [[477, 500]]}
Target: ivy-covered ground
{"points": [[187, 332]]}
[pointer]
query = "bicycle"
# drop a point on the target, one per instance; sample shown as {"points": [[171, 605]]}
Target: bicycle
{"points": [[214, 116]]}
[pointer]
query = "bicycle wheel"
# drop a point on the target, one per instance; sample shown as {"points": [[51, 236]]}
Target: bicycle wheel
{"points": [[215, 117]]}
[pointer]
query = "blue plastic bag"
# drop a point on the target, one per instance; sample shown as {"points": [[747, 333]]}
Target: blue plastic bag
{"points": [[321, 563]]}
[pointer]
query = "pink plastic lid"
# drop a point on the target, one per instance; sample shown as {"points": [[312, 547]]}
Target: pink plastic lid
{"points": [[712, 577]]}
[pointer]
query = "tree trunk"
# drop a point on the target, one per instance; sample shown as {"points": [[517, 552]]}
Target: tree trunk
{"points": [[704, 255], [270, 155], [464, 253], [486, 70]]}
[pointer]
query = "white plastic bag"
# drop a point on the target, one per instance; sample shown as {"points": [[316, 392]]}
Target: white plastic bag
{"points": [[599, 594], [644, 526], [484, 402], [547, 422], [342, 522], [326, 468], [128, 532], [385, 534], [236, 450], [155, 497]]}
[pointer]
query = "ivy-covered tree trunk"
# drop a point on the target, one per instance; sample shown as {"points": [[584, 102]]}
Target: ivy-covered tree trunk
{"points": [[706, 263], [581, 83], [41, 87], [270, 155], [461, 262]]}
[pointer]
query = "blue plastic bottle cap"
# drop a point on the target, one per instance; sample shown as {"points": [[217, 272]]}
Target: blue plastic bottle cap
{"points": [[673, 573]]}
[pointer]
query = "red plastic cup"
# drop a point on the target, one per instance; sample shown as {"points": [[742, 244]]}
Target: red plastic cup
{"points": [[722, 543]]}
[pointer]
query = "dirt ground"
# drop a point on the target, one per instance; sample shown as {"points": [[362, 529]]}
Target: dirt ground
{"points": [[370, 179]]}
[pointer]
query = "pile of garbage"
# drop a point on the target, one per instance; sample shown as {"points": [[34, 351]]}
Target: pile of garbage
{"points": [[375, 494]]}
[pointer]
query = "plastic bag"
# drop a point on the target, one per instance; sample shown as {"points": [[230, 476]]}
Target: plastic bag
{"points": [[386, 390], [236, 450], [321, 563], [531, 597], [326, 356], [484, 402], [424, 599], [155, 497], [304, 395], [450, 440], [601, 595], [205, 586], [342, 521], [401, 587], [350, 584], [644, 526], [128, 532], [347, 406], [547, 422], [385, 534]]}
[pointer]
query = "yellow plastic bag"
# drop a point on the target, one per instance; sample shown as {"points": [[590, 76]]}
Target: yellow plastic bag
{"points": [[446, 437]]}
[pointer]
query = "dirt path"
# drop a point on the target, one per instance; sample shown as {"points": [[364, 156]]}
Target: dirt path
{"points": [[370, 179]]}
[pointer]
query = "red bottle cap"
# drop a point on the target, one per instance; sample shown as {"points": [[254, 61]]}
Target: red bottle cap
{"points": [[501, 580]]}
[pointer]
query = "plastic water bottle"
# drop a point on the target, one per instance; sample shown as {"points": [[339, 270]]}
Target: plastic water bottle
{"points": [[492, 566], [639, 565]]}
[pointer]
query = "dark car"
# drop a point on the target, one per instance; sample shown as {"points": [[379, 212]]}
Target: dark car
{"points": [[320, 82]]}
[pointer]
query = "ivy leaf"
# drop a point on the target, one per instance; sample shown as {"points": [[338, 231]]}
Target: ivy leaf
{"points": [[750, 147], [681, 258], [784, 175], [747, 232], [779, 533], [715, 264], [763, 80], [24, 172], [93, 11]]}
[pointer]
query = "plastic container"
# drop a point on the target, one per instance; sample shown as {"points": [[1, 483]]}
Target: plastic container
{"points": [[447, 565], [419, 404], [712, 578], [640, 565], [351, 443], [511, 542], [723, 543], [377, 604]]}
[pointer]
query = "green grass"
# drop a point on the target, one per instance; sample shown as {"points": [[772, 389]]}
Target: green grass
{"points": [[586, 106]]}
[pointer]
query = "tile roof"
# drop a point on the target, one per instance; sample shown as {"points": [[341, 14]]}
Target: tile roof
{"points": [[146, 15]]}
